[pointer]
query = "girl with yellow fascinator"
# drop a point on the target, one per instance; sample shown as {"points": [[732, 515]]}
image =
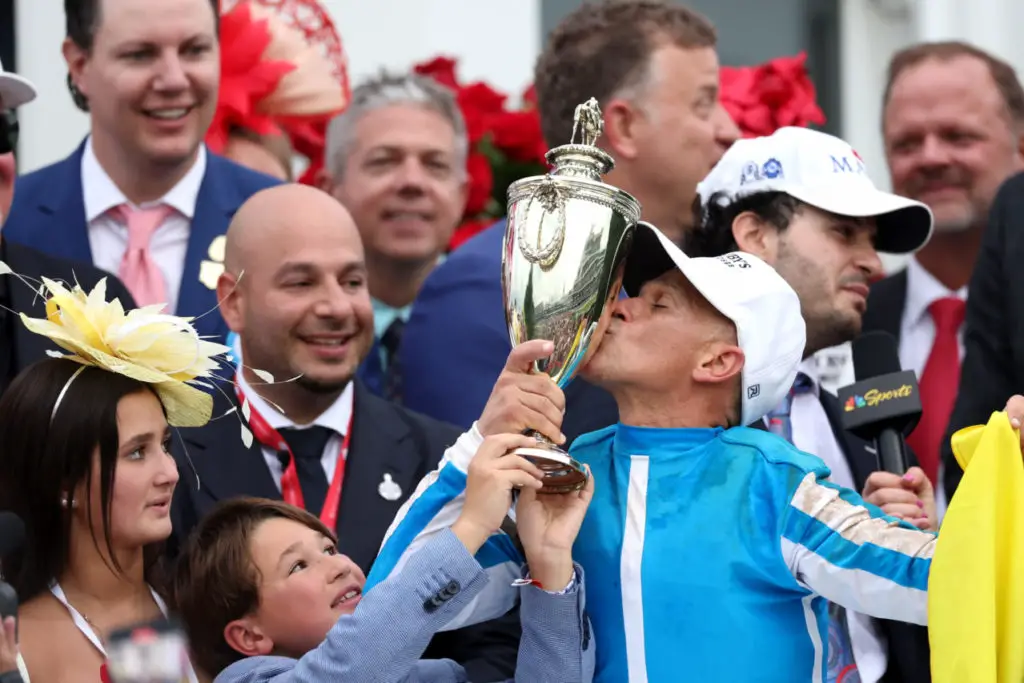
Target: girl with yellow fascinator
{"points": [[84, 462]]}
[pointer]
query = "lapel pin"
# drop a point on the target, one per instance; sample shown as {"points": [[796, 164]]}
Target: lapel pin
{"points": [[388, 489]]}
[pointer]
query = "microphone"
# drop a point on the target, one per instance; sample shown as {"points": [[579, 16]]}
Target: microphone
{"points": [[884, 404], [12, 537], [151, 652]]}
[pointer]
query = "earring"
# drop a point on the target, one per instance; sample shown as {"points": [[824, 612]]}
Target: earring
{"points": [[64, 502], [76, 95]]}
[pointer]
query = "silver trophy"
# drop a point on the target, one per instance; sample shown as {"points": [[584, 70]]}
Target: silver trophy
{"points": [[566, 241]]}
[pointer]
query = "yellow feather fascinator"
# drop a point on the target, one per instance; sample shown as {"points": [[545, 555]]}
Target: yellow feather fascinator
{"points": [[143, 344]]}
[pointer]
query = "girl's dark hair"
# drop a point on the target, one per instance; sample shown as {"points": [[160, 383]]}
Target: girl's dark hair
{"points": [[711, 234], [43, 460]]}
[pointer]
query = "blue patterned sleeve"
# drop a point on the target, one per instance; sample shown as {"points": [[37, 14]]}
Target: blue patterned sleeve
{"points": [[431, 510], [853, 554]]}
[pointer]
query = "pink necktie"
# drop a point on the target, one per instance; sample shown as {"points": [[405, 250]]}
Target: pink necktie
{"points": [[139, 272]]}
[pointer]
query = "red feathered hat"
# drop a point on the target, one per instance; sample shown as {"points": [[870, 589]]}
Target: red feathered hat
{"points": [[283, 69]]}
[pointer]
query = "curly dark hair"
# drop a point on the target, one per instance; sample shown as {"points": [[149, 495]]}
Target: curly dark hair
{"points": [[712, 232], [604, 47]]}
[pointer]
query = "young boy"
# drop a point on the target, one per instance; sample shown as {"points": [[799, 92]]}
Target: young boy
{"points": [[264, 594]]}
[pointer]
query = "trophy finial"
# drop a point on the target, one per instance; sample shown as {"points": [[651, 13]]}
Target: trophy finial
{"points": [[583, 159], [589, 121]]}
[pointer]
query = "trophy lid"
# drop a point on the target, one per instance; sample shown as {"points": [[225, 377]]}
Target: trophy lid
{"points": [[583, 159]]}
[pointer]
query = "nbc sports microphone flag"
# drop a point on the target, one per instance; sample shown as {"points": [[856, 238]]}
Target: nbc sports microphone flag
{"points": [[976, 586]]}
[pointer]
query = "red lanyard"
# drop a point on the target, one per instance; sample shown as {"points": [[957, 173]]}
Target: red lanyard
{"points": [[291, 492]]}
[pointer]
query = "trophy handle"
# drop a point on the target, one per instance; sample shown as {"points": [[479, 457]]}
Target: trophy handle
{"points": [[552, 199]]}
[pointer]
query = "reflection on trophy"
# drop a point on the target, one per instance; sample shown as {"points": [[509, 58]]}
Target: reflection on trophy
{"points": [[566, 241]]}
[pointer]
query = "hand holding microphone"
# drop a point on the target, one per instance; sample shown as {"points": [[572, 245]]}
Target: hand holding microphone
{"points": [[882, 407]]}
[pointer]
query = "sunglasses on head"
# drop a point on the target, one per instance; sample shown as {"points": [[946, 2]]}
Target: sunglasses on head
{"points": [[8, 131]]}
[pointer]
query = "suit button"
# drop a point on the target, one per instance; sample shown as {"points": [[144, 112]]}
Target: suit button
{"points": [[433, 603], [453, 588]]}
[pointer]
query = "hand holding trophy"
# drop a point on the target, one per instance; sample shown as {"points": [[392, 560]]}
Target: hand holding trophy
{"points": [[566, 241]]}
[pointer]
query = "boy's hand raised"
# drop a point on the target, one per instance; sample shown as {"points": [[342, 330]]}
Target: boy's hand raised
{"points": [[493, 473], [548, 525]]}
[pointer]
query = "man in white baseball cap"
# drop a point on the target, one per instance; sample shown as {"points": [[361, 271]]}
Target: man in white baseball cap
{"points": [[712, 543], [802, 201]]}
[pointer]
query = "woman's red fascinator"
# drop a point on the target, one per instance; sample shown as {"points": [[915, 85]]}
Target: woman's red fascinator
{"points": [[283, 71]]}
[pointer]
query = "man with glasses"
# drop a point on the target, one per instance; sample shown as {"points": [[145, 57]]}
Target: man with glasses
{"points": [[20, 348]]}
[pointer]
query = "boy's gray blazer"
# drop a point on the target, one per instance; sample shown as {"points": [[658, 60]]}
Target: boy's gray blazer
{"points": [[382, 641]]}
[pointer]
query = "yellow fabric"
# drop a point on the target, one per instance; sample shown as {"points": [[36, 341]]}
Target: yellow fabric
{"points": [[976, 584], [144, 344]]}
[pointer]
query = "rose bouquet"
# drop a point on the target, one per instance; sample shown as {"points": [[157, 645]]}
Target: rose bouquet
{"points": [[505, 144], [761, 99]]}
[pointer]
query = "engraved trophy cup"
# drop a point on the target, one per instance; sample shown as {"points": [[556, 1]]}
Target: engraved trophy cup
{"points": [[566, 241]]}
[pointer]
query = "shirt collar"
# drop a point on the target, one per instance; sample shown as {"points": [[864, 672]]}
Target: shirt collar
{"points": [[100, 194], [337, 417], [384, 315], [922, 289]]}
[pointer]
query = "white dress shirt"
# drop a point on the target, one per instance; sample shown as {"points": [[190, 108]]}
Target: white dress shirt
{"points": [[108, 237], [337, 418], [917, 335], [812, 433]]}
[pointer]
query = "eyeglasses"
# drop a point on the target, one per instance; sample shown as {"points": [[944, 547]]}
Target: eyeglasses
{"points": [[8, 131]]}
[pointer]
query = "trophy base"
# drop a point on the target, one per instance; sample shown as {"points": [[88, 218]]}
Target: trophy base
{"points": [[562, 474]]}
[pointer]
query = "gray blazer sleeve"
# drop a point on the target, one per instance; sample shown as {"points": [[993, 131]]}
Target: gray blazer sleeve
{"points": [[382, 641]]}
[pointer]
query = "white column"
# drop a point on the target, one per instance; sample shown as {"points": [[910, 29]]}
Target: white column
{"points": [[51, 126], [494, 40]]}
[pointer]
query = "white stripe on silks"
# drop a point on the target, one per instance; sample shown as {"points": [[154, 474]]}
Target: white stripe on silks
{"points": [[857, 590], [630, 567], [855, 524], [812, 631]]}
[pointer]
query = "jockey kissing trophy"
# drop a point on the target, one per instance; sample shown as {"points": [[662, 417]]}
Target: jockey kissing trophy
{"points": [[566, 241]]}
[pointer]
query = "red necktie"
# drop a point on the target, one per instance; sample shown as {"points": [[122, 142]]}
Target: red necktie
{"points": [[939, 383], [139, 272]]}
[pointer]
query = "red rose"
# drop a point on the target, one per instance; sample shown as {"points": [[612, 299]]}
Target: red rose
{"points": [[765, 98], [530, 98], [478, 103], [517, 134], [481, 183], [441, 69], [467, 230]]}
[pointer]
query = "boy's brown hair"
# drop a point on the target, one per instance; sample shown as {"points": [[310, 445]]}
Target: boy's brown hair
{"points": [[216, 580]]}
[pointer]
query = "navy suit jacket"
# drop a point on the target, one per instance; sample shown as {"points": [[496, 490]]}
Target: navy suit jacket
{"points": [[456, 342], [48, 214]]}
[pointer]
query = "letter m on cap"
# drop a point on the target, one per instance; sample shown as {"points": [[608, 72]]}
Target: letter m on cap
{"points": [[841, 165]]}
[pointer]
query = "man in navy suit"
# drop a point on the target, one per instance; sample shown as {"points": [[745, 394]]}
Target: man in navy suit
{"points": [[396, 158], [653, 68], [141, 196]]}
